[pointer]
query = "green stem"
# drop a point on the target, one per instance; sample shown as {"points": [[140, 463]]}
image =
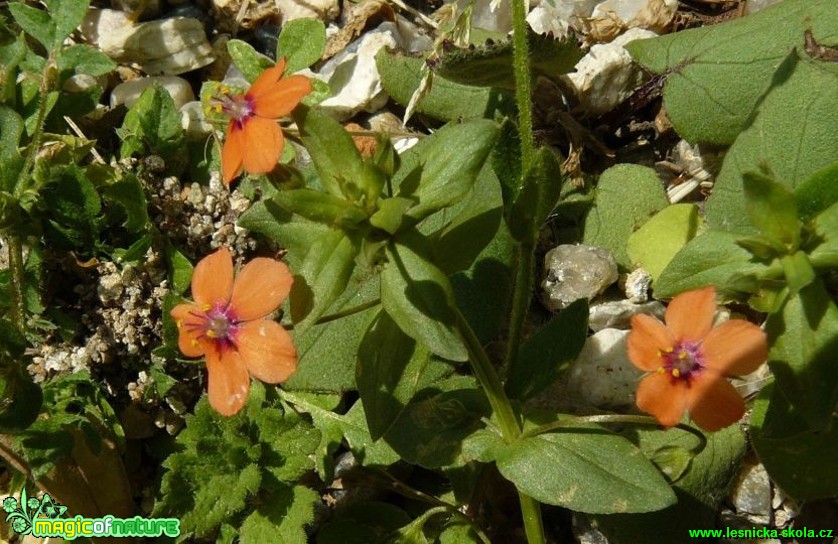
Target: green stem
{"points": [[508, 423], [17, 311], [523, 82], [521, 298], [341, 314]]}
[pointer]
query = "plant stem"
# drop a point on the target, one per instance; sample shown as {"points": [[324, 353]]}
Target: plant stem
{"points": [[523, 81], [17, 310], [521, 298], [507, 421]]}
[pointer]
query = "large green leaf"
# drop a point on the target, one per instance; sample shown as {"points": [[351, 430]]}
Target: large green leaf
{"points": [[321, 207], [654, 244], [430, 431], [700, 479], [790, 134], [713, 258], [804, 341], [322, 277], [418, 296], [817, 192], [801, 460], [591, 470], [250, 62], [772, 209], [301, 42], [447, 166], [627, 195], [334, 153], [715, 75], [390, 364]]}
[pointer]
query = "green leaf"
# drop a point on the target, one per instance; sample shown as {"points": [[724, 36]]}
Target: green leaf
{"points": [[35, 22], [429, 432], [448, 164], [800, 110], [250, 62], [817, 192], [801, 460], [506, 161], [700, 486], [447, 101], [129, 194], [390, 364], [712, 258], [84, 59], [74, 205], [418, 296], [825, 254], [152, 125], [772, 209], [180, 269], [334, 153], [731, 65], [655, 244], [490, 65], [322, 277], [391, 214], [327, 352], [67, 15], [321, 207], [281, 517], [221, 463], [804, 340], [798, 271], [548, 353], [413, 532], [301, 42], [11, 162], [592, 471], [626, 196]]}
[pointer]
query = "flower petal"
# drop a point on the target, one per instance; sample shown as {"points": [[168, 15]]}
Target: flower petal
{"points": [[267, 350], [212, 279], [735, 347], [191, 324], [229, 381], [690, 315], [648, 337], [232, 154], [263, 144], [281, 98], [714, 403], [666, 399], [261, 286], [267, 79]]}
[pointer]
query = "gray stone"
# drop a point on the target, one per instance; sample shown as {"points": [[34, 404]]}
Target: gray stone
{"points": [[617, 313], [637, 286], [127, 93], [162, 47], [752, 494], [572, 272]]}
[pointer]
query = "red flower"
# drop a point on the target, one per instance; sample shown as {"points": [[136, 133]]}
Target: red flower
{"points": [[227, 324], [690, 360], [254, 140]]}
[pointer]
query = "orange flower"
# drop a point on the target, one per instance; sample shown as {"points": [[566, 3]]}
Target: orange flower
{"points": [[227, 324], [254, 139], [690, 360]]}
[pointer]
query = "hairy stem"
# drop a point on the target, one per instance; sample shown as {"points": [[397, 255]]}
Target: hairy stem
{"points": [[507, 421], [523, 81], [521, 298]]}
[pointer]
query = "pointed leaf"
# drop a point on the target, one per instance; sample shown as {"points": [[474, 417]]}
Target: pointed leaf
{"points": [[301, 42], [818, 192], [448, 164], [654, 244], [772, 209], [390, 364], [804, 340], [321, 207], [418, 296], [592, 471]]}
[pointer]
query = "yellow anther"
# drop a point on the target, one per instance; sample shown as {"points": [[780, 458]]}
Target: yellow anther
{"points": [[179, 323], [676, 373], [194, 342], [682, 355], [661, 370], [212, 334], [206, 307]]}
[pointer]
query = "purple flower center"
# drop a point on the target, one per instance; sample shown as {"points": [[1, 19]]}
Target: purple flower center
{"points": [[238, 107], [220, 325], [683, 361]]}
